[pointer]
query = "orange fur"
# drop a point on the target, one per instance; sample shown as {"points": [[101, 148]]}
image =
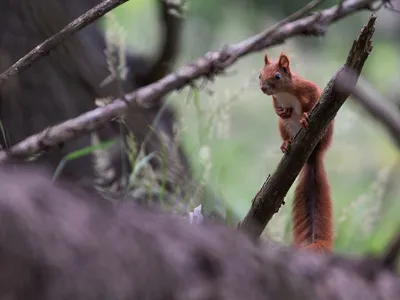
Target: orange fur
{"points": [[293, 98]]}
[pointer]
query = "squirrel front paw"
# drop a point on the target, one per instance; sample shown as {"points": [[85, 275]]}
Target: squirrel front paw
{"points": [[284, 113], [285, 147], [304, 120]]}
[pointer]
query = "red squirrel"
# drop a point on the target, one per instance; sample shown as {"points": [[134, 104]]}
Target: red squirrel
{"points": [[293, 98]]}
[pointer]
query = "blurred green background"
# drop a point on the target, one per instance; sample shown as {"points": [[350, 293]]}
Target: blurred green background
{"points": [[229, 129]]}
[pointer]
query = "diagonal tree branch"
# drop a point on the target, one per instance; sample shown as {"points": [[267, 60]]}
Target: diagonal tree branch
{"points": [[206, 66], [380, 108], [44, 48], [271, 195]]}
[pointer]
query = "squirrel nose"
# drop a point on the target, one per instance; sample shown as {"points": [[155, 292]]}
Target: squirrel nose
{"points": [[264, 89]]}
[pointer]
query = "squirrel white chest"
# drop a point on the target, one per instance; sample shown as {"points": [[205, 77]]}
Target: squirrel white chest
{"points": [[286, 100]]}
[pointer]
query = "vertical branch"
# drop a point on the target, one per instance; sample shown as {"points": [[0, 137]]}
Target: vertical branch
{"points": [[170, 12]]}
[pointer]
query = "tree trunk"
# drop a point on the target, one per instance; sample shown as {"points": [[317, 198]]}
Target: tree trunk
{"points": [[66, 82]]}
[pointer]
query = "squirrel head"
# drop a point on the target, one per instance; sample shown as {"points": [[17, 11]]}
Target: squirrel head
{"points": [[275, 77]]}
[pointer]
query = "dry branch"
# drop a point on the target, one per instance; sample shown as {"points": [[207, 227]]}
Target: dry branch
{"points": [[44, 48], [58, 243], [205, 66], [271, 195], [380, 108]]}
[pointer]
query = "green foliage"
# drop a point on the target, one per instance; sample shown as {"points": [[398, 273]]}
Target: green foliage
{"points": [[80, 153], [138, 166]]}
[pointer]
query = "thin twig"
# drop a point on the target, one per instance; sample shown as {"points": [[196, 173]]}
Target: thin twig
{"points": [[44, 48], [271, 195], [205, 66], [383, 110]]}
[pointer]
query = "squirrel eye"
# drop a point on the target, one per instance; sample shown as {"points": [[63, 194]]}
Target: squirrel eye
{"points": [[277, 76]]}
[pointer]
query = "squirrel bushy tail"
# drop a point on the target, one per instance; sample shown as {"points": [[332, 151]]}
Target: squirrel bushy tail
{"points": [[312, 213]]}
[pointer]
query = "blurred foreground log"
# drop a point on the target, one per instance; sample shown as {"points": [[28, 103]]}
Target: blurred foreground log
{"points": [[58, 242]]}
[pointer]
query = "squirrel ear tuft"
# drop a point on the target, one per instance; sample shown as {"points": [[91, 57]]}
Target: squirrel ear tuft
{"points": [[266, 60], [284, 61]]}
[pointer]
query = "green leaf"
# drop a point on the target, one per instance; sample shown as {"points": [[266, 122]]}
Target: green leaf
{"points": [[80, 153], [138, 166]]}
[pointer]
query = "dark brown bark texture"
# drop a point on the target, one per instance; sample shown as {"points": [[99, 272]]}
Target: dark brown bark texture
{"points": [[66, 82], [58, 242]]}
